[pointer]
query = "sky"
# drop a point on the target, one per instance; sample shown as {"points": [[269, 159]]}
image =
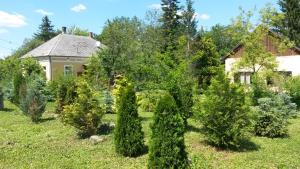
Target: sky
{"points": [[19, 19]]}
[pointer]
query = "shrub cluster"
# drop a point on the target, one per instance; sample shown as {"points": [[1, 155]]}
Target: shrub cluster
{"points": [[167, 148], [85, 113], [273, 114], [224, 112], [66, 92], [148, 99], [129, 137], [292, 86]]}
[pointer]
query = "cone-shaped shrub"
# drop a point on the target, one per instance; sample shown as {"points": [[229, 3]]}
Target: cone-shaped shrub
{"points": [[129, 137], [34, 102], [224, 113], [85, 113], [66, 92], [167, 149]]}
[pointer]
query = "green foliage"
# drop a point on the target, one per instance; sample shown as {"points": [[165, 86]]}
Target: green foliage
{"points": [[74, 30], [290, 27], [46, 31], [85, 113], [1, 99], [205, 63], [167, 148], [224, 113], [129, 137], [170, 24], [148, 99], [108, 102], [273, 114], [292, 86], [66, 92], [33, 103], [27, 46], [180, 86], [259, 89]]}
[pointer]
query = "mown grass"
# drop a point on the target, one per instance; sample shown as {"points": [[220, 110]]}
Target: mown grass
{"points": [[50, 144]]}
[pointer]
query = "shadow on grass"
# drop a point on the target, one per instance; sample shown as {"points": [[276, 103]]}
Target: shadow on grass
{"points": [[43, 120], [245, 146], [7, 110], [191, 128]]}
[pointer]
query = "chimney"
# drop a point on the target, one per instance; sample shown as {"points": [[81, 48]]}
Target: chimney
{"points": [[91, 34], [63, 30]]}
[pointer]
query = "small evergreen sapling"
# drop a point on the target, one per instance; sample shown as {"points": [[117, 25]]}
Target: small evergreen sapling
{"points": [[224, 113], [34, 102], [129, 137], [85, 113], [167, 148]]}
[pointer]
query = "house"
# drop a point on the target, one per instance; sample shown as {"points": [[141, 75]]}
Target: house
{"points": [[65, 54], [288, 60]]}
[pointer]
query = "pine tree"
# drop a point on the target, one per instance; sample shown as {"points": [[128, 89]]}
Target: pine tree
{"points": [[129, 137], [190, 23], [170, 24], [167, 148], [46, 31], [291, 23]]}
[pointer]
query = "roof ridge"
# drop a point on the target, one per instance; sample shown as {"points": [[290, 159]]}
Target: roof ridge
{"points": [[56, 43]]}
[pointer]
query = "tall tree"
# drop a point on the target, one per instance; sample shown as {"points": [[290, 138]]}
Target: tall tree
{"points": [[170, 24], [189, 23], [291, 10], [46, 31]]}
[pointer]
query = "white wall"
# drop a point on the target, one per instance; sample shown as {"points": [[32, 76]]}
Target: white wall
{"points": [[285, 63], [45, 62]]}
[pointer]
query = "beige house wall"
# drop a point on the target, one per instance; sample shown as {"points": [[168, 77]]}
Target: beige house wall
{"points": [[58, 66]]}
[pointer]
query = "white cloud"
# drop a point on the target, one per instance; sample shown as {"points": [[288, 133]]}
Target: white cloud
{"points": [[43, 12], [13, 20], [155, 6], [202, 16], [78, 8]]}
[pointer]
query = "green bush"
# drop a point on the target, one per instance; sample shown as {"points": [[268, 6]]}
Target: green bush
{"points": [[19, 88], [273, 114], [167, 148], [129, 137], [224, 112], [34, 102], [85, 113], [66, 92], [259, 89], [108, 102], [292, 86], [1, 99], [148, 99]]}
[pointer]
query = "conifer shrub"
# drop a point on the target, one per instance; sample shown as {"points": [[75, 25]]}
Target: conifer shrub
{"points": [[259, 89], [19, 88], [33, 103], [108, 102], [129, 137], [66, 92], [273, 114], [224, 112], [167, 148], [292, 86], [85, 113]]}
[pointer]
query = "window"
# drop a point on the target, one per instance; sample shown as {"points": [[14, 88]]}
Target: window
{"points": [[68, 70], [243, 77]]}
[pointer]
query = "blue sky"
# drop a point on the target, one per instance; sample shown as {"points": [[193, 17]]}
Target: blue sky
{"points": [[19, 19]]}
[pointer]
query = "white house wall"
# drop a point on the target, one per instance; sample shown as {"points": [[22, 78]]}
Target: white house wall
{"points": [[46, 63], [285, 63]]}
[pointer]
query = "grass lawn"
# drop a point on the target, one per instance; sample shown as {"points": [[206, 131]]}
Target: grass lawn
{"points": [[50, 144]]}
